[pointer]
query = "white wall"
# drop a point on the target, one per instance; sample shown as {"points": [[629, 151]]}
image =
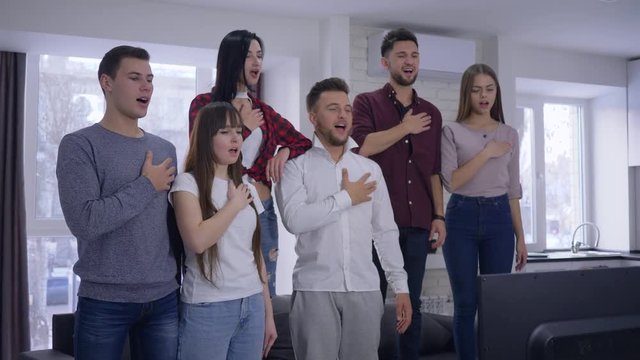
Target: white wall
{"points": [[283, 79], [506, 76], [610, 174], [334, 36], [549, 64], [516, 60], [443, 94], [608, 123], [634, 182]]}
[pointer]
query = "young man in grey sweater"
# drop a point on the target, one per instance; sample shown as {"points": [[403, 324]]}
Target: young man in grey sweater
{"points": [[113, 179]]}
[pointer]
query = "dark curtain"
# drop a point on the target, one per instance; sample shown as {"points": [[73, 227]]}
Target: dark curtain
{"points": [[14, 306]]}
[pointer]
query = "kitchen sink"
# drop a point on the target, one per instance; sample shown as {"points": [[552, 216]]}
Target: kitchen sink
{"points": [[581, 254]]}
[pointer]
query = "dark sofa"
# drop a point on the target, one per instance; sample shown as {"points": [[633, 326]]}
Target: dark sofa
{"points": [[62, 343], [436, 342], [62, 330]]}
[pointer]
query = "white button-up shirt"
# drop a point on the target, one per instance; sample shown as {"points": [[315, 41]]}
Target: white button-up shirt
{"points": [[333, 237]]}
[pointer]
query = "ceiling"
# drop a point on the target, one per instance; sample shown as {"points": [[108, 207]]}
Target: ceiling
{"points": [[604, 27]]}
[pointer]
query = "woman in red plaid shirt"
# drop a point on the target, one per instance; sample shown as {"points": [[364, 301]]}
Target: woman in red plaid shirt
{"points": [[265, 131]]}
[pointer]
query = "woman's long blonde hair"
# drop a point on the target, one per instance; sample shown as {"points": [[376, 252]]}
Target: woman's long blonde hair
{"points": [[201, 162]]}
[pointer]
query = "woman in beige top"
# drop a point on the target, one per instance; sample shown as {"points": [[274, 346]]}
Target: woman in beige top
{"points": [[480, 168]]}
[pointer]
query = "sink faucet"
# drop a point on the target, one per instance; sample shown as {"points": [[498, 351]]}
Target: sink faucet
{"points": [[575, 245]]}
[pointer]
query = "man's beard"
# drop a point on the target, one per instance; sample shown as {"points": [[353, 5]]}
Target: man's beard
{"points": [[330, 138], [397, 76]]}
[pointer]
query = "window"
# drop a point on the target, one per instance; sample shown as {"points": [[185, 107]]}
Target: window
{"points": [[52, 284], [551, 170], [525, 130], [66, 93], [70, 98]]}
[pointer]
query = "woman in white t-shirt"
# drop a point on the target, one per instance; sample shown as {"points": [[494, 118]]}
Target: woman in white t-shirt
{"points": [[225, 309]]}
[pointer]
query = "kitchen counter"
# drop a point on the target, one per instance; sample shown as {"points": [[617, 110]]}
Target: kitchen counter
{"points": [[585, 259], [584, 255]]}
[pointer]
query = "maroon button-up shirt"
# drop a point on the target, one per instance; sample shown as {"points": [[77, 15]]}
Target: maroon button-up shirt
{"points": [[408, 164], [276, 130]]}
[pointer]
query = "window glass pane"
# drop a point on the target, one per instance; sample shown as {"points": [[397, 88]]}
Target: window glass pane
{"points": [[168, 117], [563, 178], [525, 130], [70, 98], [52, 284]]}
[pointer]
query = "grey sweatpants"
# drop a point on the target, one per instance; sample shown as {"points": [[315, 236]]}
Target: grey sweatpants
{"points": [[335, 325]]}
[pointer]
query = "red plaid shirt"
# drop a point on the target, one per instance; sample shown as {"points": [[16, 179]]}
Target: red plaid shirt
{"points": [[276, 130]]}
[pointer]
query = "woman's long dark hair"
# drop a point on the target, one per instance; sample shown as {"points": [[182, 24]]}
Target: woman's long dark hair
{"points": [[230, 67], [464, 107], [201, 162]]}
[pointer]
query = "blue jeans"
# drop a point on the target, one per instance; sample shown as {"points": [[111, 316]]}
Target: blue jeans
{"points": [[269, 242], [225, 330], [414, 244], [102, 327], [479, 232]]}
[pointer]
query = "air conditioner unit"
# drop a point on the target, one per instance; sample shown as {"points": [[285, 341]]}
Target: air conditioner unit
{"points": [[441, 57]]}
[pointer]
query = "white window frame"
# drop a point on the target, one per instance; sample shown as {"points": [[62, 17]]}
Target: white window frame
{"points": [[35, 227], [537, 103]]}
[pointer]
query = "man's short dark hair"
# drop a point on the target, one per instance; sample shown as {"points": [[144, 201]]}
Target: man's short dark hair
{"points": [[393, 36], [330, 84], [111, 60]]}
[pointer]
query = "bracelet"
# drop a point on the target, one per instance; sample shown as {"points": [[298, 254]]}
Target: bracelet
{"points": [[438, 217]]}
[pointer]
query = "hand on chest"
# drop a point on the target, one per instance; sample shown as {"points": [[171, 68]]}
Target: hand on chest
{"points": [[497, 146], [326, 179]]}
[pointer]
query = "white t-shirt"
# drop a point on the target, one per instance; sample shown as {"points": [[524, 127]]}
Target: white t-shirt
{"points": [[250, 145], [236, 275]]}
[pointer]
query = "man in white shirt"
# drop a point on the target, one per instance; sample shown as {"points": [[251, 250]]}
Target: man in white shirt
{"points": [[335, 202]]}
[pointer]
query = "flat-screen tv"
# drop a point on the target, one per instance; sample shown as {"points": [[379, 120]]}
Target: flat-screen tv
{"points": [[582, 314]]}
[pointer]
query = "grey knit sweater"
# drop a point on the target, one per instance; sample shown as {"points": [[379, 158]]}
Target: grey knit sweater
{"points": [[118, 218]]}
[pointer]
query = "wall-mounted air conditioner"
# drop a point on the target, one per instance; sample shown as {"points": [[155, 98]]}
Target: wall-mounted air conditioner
{"points": [[441, 57]]}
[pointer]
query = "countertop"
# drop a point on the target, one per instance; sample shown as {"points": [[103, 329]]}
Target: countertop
{"points": [[583, 255]]}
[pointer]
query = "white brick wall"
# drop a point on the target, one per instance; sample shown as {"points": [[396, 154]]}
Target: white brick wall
{"points": [[442, 94], [436, 283]]}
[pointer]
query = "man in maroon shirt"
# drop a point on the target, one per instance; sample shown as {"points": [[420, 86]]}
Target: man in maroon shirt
{"points": [[401, 132]]}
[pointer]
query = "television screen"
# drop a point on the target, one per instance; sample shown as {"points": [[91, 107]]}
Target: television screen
{"points": [[581, 314]]}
